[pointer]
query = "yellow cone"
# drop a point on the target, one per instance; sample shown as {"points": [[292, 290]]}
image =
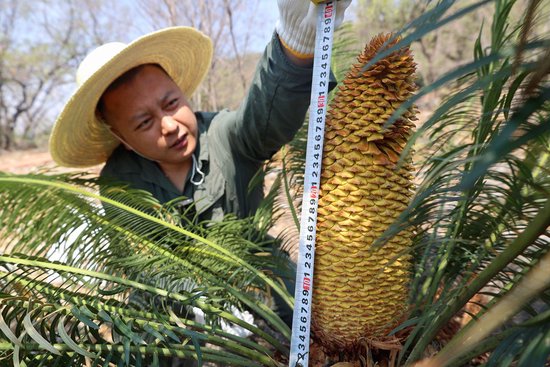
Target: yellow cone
{"points": [[360, 293]]}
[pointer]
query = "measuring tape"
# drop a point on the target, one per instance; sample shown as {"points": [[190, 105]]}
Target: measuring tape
{"points": [[301, 321]]}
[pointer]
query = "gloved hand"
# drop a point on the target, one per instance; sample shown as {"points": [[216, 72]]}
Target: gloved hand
{"points": [[297, 23]]}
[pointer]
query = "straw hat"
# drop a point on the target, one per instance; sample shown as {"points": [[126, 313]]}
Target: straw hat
{"points": [[78, 138]]}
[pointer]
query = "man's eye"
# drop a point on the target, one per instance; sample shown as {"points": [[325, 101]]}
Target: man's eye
{"points": [[172, 103], [144, 124]]}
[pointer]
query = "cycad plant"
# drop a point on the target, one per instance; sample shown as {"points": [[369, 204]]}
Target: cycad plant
{"points": [[480, 213], [117, 279]]}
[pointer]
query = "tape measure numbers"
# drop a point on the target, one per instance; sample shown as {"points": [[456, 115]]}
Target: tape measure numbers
{"points": [[301, 322]]}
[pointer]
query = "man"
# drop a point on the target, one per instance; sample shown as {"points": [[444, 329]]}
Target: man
{"points": [[131, 111]]}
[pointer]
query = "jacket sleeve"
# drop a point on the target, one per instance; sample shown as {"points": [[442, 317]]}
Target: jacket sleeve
{"points": [[274, 108]]}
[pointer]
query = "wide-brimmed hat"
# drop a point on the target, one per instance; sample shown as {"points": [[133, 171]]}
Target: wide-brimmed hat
{"points": [[79, 138]]}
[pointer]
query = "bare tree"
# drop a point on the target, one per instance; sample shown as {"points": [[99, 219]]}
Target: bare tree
{"points": [[229, 23], [7, 20], [32, 66], [41, 44], [232, 33]]}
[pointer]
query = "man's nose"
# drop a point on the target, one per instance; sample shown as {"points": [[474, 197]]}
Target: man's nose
{"points": [[168, 124]]}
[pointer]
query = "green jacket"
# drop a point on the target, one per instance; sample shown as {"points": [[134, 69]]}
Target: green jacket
{"points": [[233, 145]]}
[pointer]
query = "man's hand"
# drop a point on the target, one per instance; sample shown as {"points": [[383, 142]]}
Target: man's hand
{"points": [[296, 27]]}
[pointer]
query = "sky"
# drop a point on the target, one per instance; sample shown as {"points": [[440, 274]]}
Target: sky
{"points": [[270, 11], [267, 11], [268, 14]]}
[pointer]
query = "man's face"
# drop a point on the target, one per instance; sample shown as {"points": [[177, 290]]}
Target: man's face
{"points": [[151, 115]]}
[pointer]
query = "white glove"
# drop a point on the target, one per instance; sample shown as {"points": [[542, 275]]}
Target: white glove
{"points": [[297, 23]]}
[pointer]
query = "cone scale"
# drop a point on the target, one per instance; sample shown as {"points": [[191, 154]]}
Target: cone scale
{"points": [[361, 292]]}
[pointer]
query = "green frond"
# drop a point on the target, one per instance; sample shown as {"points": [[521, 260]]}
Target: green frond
{"points": [[132, 265], [481, 204]]}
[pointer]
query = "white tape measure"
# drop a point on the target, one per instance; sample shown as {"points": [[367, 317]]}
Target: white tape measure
{"points": [[301, 321]]}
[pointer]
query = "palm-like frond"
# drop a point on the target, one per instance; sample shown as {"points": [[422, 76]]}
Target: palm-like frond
{"points": [[133, 267], [482, 205]]}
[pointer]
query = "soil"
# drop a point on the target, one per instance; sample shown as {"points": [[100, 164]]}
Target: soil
{"points": [[32, 160], [24, 161]]}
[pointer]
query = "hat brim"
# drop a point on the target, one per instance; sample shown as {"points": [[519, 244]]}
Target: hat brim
{"points": [[78, 138]]}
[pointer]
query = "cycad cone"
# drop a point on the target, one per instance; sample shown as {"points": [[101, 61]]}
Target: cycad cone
{"points": [[360, 293]]}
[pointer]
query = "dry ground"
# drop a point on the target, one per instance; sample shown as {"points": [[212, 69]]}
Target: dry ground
{"points": [[24, 161], [32, 160]]}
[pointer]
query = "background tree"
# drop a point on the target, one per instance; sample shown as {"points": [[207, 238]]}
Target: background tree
{"points": [[40, 47], [230, 26], [437, 52]]}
